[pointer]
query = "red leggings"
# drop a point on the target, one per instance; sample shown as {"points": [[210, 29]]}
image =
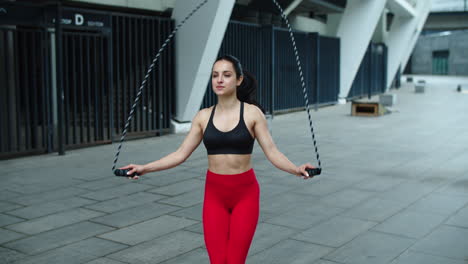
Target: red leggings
{"points": [[230, 215]]}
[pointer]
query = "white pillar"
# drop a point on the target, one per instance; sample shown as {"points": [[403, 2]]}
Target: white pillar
{"points": [[422, 20], [355, 31], [402, 37], [197, 45]]}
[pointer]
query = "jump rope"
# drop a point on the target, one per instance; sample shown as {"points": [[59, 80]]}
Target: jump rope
{"points": [[311, 172]]}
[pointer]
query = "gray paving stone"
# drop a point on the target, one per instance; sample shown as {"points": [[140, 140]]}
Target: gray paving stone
{"points": [[198, 255], [7, 195], [305, 217], [267, 235], [272, 189], [446, 241], [322, 186], [298, 252], [58, 237], [324, 262], [7, 235], [460, 219], [8, 256], [121, 203], [30, 184], [457, 187], [185, 200], [335, 232], [160, 249], [171, 176], [8, 220], [196, 228], [281, 203], [193, 212], [371, 248], [179, 187], [102, 183], [48, 196], [374, 209], [135, 215], [47, 208], [347, 198], [379, 184], [407, 192], [53, 221], [410, 257], [148, 230], [8, 206], [80, 252], [118, 191], [440, 204], [411, 224], [104, 261]]}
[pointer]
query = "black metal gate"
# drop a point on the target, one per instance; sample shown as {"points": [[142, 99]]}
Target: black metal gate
{"points": [[371, 78], [60, 86], [251, 44], [25, 99], [86, 86], [268, 53]]}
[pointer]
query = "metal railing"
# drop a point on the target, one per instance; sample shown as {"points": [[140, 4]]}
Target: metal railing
{"points": [[72, 85], [267, 52], [371, 78]]}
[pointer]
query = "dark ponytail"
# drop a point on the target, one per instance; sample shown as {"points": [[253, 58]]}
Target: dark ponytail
{"points": [[247, 90]]}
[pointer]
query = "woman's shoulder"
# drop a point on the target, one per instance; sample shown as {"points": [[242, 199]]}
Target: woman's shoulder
{"points": [[253, 111], [204, 113]]}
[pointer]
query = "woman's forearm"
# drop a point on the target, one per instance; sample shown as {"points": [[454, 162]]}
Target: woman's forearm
{"points": [[167, 162], [280, 161]]}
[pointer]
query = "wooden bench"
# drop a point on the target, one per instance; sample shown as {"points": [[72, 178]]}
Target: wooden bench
{"points": [[367, 108]]}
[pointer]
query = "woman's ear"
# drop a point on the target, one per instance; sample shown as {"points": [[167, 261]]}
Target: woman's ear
{"points": [[239, 81]]}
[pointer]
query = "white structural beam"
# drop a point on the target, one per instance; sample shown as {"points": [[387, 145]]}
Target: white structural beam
{"points": [[355, 30], [415, 37], [197, 45], [402, 37], [292, 6], [402, 8]]}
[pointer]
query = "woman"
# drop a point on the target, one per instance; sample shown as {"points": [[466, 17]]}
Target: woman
{"points": [[228, 130]]}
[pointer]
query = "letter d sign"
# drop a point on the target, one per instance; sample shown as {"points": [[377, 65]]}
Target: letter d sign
{"points": [[79, 19]]}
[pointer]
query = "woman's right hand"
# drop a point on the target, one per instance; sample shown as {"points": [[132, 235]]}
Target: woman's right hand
{"points": [[134, 168]]}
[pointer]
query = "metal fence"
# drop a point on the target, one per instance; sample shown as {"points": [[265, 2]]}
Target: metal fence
{"points": [[71, 85], [268, 53], [136, 40], [25, 97], [371, 78]]}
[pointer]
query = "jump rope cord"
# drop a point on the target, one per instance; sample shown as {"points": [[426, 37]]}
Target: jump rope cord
{"points": [[124, 133], [304, 90]]}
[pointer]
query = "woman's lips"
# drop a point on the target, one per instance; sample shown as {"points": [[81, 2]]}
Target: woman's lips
{"points": [[219, 87]]}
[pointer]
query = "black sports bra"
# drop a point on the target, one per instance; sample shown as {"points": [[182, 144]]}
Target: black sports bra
{"points": [[236, 141]]}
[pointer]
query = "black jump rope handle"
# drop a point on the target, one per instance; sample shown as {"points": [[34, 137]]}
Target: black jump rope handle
{"points": [[314, 171], [123, 173]]}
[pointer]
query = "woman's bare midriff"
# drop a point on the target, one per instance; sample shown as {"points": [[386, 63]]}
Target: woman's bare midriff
{"points": [[229, 163]]}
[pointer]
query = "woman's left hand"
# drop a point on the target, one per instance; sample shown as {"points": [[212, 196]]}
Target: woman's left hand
{"points": [[301, 171]]}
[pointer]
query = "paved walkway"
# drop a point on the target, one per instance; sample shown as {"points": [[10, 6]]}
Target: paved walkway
{"points": [[394, 190]]}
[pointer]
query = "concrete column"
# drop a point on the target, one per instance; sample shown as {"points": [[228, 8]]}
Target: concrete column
{"points": [[197, 45], [402, 38], [380, 33], [356, 28], [422, 20]]}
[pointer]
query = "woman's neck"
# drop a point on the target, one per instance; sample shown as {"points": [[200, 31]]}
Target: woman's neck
{"points": [[226, 103]]}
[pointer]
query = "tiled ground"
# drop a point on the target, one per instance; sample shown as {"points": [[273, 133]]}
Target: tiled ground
{"points": [[394, 190]]}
